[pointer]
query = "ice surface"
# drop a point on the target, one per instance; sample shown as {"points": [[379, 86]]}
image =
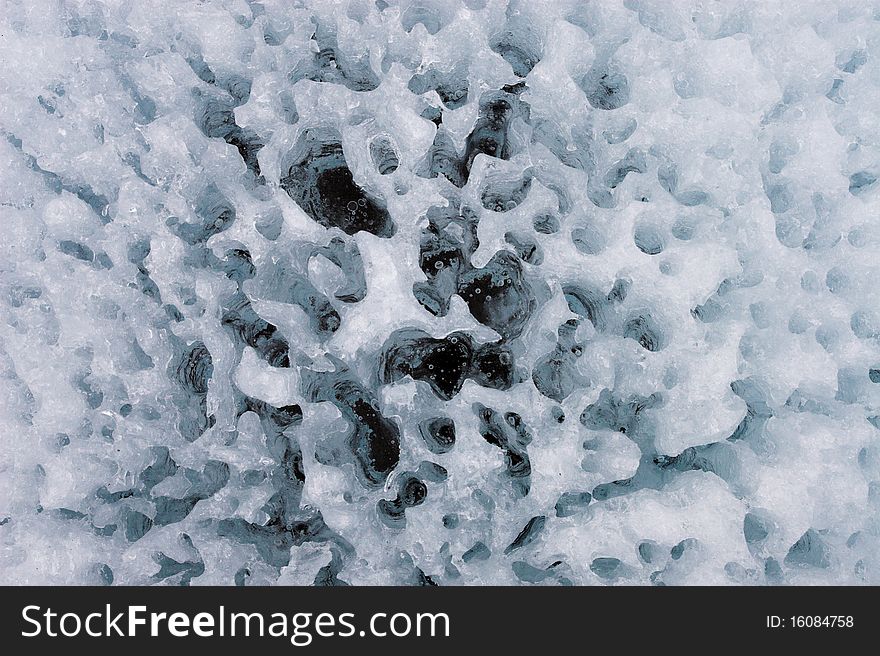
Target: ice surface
{"points": [[424, 292]]}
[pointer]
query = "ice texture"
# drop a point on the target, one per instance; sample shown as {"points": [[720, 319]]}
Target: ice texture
{"points": [[423, 292]]}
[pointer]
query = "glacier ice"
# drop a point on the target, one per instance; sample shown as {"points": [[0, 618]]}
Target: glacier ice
{"points": [[415, 292]]}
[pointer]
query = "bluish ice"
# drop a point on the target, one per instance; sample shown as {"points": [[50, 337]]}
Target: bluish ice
{"points": [[437, 292]]}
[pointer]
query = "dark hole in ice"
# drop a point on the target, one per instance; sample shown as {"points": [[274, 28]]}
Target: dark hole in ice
{"points": [[606, 89], [439, 434], [320, 182], [476, 553], [528, 534], [644, 330]]}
